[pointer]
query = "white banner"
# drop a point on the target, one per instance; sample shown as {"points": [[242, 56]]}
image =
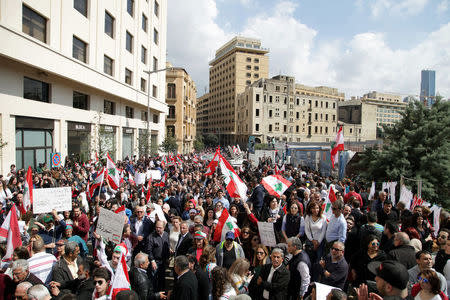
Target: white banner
{"points": [[45, 200], [267, 234], [110, 225], [139, 178], [154, 174]]}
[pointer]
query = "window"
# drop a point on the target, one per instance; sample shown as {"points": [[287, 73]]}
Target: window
{"points": [[316, 117], [155, 91], [270, 99], [144, 116], [34, 24], [129, 112], [79, 49], [36, 90], [144, 22], [270, 113], [171, 90], [256, 68], [155, 63], [171, 112], [155, 36], [257, 97], [256, 127], [108, 65], [155, 118], [143, 84], [143, 55], [80, 101], [248, 82], [257, 112], [256, 60], [109, 107], [248, 67], [256, 75], [81, 6], [297, 129], [249, 75], [109, 24], [270, 127], [156, 10], [130, 7], [284, 128], [129, 42], [249, 59], [128, 75], [284, 114]]}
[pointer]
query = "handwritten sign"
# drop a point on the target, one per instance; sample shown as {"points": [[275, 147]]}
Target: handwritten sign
{"points": [[154, 174], [267, 234], [110, 226], [45, 200]]}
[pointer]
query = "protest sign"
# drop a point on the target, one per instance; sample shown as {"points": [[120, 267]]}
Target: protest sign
{"points": [[159, 212], [110, 225], [267, 234], [139, 178], [154, 174], [322, 290], [45, 200]]}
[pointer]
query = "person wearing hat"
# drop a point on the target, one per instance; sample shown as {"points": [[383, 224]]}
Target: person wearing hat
{"points": [[51, 230], [199, 243], [391, 278], [75, 238], [387, 214], [228, 251]]}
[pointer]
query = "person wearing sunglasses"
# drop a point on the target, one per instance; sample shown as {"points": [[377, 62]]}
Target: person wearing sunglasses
{"points": [[333, 269], [428, 287], [362, 258], [442, 256], [102, 279]]}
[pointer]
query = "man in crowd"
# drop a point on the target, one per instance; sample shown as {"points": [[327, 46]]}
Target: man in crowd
{"points": [[334, 268], [387, 214], [424, 262], [184, 240], [41, 263], [139, 280], [80, 223], [186, 284], [66, 269], [387, 240], [228, 251], [299, 266], [442, 256], [21, 290], [141, 226], [21, 273], [158, 250], [403, 252], [337, 227]]}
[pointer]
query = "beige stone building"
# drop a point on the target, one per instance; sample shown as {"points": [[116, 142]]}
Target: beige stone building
{"points": [[237, 64], [280, 109], [358, 120], [202, 114], [389, 107], [181, 97]]}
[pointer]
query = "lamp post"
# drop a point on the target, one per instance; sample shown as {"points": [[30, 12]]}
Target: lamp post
{"points": [[148, 97]]}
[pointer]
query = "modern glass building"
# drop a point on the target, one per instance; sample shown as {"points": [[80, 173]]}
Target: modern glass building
{"points": [[427, 87]]}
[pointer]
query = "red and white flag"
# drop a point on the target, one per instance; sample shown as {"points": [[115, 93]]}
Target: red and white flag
{"points": [[336, 146], [162, 183], [417, 201], [121, 280], [235, 186], [121, 211], [149, 189], [113, 173], [213, 164], [98, 181], [225, 224], [327, 205], [276, 185], [10, 231], [131, 179], [28, 192], [277, 170]]}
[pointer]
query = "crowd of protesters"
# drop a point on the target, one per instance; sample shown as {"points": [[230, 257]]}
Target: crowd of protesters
{"points": [[366, 249]]}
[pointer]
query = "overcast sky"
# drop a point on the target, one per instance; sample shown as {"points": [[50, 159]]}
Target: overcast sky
{"points": [[356, 46]]}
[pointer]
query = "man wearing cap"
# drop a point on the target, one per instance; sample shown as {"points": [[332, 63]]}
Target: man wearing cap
{"points": [[228, 251], [141, 226], [425, 262], [387, 214], [391, 279], [51, 230]]}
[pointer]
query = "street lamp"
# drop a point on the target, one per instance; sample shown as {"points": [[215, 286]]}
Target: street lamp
{"points": [[148, 96]]}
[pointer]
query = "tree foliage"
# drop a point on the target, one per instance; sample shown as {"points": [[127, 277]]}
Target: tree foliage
{"points": [[198, 143], [169, 144], [211, 140], [416, 147]]}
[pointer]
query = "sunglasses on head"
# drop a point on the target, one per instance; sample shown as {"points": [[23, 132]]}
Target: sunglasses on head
{"points": [[99, 282]]}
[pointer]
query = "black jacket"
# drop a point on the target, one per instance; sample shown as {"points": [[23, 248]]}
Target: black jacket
{"points": [[203, 284], [186, 287], [141, 284], [277, 288], [182, 247], [404, 254], [62, 274], [158, 247]]}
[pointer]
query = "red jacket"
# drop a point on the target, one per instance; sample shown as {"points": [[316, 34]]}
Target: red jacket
{"points": [[82, 229], [354, 194], [416, 288]]}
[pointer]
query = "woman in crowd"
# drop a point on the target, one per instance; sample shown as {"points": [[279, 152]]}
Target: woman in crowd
{"points": [[67, 217], [423, 230], [174, 232], [209, 217], [260, 259], [199, 243], [218, 209], [238, 274], [315, 229], [222, 286], [293, 222], [208, 261], [5, 193], [429, 287], [360, 261], [246, 241], [273, 214]]}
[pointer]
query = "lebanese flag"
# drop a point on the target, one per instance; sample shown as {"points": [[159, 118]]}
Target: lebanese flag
{"points": [[10, 232], [113, 173], [162, 183], [224, 225], [235, 186], [121, 280], [276, 185], [28, 192], [327, 205], [148, 195], [277, 170], [417, 201], [336, 146], [121, 211], [97, 182], [131, 179], [213, 164]]}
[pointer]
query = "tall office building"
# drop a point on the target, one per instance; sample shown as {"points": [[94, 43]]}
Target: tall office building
{"points": [[74, 78], [236, 65], [427, 87]]}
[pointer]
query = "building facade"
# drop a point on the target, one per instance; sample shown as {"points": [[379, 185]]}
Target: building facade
{"points": [[181, 97], [428, 87], [74, 78], [358, 120], [202, 114], [278, 109], [388, 106], [237, 64]]}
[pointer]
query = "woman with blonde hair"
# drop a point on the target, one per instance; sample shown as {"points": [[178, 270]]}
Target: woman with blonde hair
{"points": [[207, 262], [238, 274]]}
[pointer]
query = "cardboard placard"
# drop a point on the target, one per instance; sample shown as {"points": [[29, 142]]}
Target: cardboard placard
{"points": [[267, 234], [110, 225], [45, 200]]}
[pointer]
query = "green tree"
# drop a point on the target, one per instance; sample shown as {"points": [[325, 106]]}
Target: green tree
{"points": [[198, 143], [169, 144], [211, 140], [417, 147]]}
